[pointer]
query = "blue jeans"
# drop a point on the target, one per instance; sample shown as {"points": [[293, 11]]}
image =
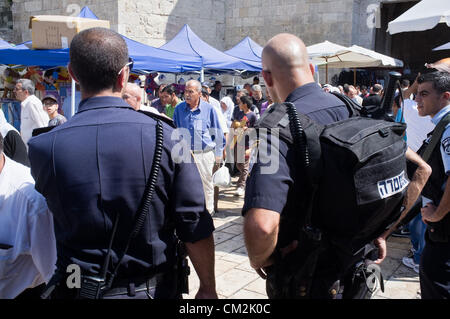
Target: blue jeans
{"points": [[417, 230]]}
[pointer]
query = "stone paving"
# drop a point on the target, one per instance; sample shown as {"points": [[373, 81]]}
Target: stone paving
{"points": [[235, 279]]}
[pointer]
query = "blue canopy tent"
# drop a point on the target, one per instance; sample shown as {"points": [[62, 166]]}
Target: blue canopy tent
{"points": [[87, 13], [246, 49], [188, 43], [146, 58]]}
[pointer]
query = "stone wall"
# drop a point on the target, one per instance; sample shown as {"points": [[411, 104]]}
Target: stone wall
{"points": [[156, 22], [6, 21], [312, 20], [23, 9]]}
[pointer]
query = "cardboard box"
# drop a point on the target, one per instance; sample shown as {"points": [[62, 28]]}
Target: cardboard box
{"points": [[56, 32]]}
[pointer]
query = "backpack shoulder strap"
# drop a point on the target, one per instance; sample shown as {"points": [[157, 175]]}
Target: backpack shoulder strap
{"points": [[436, 137], [353, 108]]}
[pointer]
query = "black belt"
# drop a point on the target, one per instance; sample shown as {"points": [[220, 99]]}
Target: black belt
{"points": [[129, 288]]}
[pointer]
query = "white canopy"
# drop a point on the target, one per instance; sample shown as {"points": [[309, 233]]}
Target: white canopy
{"points": [[338, 56], [423, 16], [443, 47]]}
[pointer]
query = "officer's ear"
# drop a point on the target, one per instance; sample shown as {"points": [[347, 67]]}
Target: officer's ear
{"points": [[267, 75], [69, 69], [312, 69], [122, 79]]}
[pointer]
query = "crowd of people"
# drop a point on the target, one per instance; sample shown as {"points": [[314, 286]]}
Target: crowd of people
{"points": [[71, 195]]}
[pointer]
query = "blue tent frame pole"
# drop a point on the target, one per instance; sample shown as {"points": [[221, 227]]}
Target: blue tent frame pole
{"points": [[72, 108]]}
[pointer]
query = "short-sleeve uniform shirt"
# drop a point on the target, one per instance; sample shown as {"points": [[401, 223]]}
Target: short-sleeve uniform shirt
{"points": [[96, 167], [279, 189]]}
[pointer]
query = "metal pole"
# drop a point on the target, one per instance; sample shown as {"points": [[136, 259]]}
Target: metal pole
{"points": [[72, 109], [202, 76]]}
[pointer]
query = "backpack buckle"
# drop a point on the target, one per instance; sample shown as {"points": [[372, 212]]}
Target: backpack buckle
{"points": [[313, 233]]}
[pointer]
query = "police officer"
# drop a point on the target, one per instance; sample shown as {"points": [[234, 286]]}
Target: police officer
{"points": [[93, 171], [433, 98], [271, 197]]}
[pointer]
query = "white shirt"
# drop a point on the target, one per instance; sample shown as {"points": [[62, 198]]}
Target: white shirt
{"points": [[220, 116], [32, 115], [417, 126], [27, 225], [358, 99], [151, 109]]}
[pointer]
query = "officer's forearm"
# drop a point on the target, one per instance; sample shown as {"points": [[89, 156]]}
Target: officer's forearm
{"points": [[415, 187], [260, 233], [201, 254], [444, 205]]}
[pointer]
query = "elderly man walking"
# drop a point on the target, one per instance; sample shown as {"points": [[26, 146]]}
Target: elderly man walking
{"points": [[32, 114], [207, 139]]}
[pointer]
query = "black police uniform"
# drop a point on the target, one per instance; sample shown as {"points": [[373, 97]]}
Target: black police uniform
{"points": [[280, 191], [96, 166], [434, 267]]}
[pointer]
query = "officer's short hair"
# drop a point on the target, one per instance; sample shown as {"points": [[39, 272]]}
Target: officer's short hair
{"points": [[27, 85], [440, 80], [96, 57]]}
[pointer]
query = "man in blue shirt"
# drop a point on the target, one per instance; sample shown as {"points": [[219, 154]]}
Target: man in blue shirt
{"points": [[202, 131], [93, 172]]}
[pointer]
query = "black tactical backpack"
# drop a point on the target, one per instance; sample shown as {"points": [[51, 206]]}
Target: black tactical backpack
{"points": [[356, 171]]}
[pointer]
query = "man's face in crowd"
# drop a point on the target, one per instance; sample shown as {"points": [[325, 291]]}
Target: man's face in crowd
{"points": [[257, 95], [192, 95], [218, 87], [131, 99], [50, 106], [165, 97], [20, 93], [429, 101]]}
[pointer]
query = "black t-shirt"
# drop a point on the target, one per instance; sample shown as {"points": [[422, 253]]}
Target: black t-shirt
{"points": [[372, 99], [15, 148]]}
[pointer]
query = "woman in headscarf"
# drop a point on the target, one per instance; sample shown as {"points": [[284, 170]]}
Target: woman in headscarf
{"points": [[14, 146], [227, 106]]}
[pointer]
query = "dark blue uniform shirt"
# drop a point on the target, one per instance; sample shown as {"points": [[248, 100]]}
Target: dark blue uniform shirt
{"points": [[96, 166], [277, 191]]}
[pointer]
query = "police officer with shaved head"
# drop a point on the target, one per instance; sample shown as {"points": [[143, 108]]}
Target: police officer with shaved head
{"points": [[121, 203], [271, 200]]}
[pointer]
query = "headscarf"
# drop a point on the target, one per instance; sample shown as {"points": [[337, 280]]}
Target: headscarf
{"points": [[230, 107]]}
